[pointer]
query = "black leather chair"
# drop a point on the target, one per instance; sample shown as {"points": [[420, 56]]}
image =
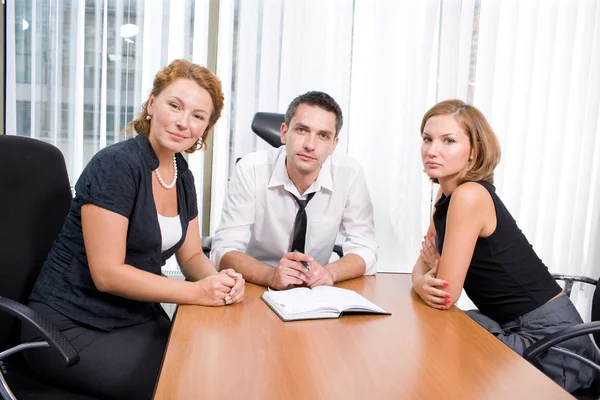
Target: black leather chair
{"points": [[206, 245], [554, 340], [266, 126], [569, 280], [35, 196]]}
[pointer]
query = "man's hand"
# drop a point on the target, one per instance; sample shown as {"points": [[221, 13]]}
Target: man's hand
{"points": [[429, 288], [319, 276], [429, 252], [290, 271]]}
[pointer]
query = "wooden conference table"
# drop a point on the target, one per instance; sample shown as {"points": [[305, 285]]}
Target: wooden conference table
{"points": [[245, 351]]}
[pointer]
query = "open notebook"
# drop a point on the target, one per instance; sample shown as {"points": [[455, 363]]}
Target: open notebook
{"points": [[317, 303]]}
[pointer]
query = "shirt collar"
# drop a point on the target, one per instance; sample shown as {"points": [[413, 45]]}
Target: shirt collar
{"points": [[280, 176], [149, 156]]}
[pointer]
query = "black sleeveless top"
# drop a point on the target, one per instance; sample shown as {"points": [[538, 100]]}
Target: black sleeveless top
{"points": [[506, 279]]}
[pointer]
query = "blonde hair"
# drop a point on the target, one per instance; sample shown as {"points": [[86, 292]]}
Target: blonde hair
{"points": [[481, 136], [179, 69]]}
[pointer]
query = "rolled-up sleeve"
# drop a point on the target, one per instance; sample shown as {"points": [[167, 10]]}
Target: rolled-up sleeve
{"points": [[358, 226], [237, 217]]}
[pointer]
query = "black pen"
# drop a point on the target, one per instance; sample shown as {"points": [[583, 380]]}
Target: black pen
{"points": [[305, 265]]}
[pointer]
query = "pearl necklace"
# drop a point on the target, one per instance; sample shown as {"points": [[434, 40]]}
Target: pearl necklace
{"points": [[160, 179]]}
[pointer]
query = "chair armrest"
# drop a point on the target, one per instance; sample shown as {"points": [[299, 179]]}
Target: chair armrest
{"points": [[574, 278], [560, 336], [569, 279], [206, 244], [337, 249], [54, 338]]}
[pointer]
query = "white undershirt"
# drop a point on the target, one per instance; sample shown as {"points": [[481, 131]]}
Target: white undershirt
{"points": [[170, 230]]}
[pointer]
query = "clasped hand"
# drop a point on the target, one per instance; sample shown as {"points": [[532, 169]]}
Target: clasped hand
{"points": [[429, 287], [290, 271], [226, 287]]}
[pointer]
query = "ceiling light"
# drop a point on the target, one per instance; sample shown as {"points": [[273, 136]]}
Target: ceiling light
{"points": [[129, 31]]}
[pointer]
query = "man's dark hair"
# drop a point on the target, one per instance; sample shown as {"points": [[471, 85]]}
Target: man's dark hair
{"points": [[318, 99]]}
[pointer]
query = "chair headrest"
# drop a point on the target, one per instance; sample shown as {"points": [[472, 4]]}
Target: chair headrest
{"points": [[266, 125]]}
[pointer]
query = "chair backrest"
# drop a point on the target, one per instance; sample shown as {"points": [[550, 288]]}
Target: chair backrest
{"points": [[266, 126], [35, 197], [569, 280], [596, 312]]}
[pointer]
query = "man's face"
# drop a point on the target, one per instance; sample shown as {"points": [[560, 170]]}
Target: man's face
{"points": [[309, 140]]}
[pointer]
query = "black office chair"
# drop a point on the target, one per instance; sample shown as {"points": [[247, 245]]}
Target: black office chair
{"points": [[569, 280], [267, 125], [206, 245], [35, 197], [553, 341]]}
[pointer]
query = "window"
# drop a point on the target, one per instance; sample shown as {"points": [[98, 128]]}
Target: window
{"points": [[79, 95]]}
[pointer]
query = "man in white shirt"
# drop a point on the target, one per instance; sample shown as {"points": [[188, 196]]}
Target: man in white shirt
{"points": [[268, 236]]}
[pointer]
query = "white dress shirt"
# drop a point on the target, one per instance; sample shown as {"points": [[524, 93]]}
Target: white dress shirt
{"points": [[259, 212]]}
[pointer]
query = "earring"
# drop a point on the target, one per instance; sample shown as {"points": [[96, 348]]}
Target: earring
{"points": [[148, 117]]}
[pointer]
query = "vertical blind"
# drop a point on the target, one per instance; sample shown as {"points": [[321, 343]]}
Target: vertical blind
{"points": [[531, 66], [75, 75]]}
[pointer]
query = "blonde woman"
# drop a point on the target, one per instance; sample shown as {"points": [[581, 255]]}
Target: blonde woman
{"points": [[474, 243]]}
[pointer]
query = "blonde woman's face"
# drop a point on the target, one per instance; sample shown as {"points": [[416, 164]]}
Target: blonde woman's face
{"points": [[445, 149]]}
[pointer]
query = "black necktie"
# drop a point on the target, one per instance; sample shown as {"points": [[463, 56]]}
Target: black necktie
{"points": [[299, 238]]}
